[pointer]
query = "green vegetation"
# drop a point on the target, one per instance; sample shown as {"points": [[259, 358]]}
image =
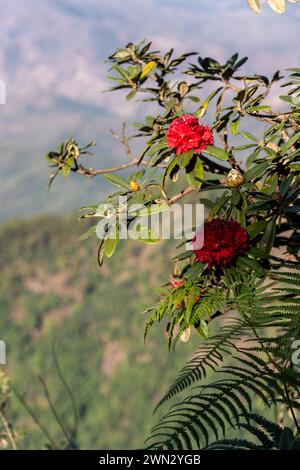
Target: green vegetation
{"points": [[50, 290]]}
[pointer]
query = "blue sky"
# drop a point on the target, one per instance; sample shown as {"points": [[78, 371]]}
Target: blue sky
{"points": [[52, 56]]}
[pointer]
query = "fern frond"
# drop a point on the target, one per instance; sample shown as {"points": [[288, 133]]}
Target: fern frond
{"points": [[261, 370]]}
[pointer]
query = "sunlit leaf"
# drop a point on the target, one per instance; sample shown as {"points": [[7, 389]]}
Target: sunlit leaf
{"points": [[255, 5], [148, 68], [277, 5], [109, 246]]}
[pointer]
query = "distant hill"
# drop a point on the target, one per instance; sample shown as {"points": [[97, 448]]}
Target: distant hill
{"points": [[51, 288]]}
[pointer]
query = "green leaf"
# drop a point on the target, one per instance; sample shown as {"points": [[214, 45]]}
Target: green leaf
{"points": [[285, 186], [269, 235], [186, 254], [89, 233], [203, 329], [109, 246], [137, 175], [286, 98], [220, 202], [149, 120], [251, 263], [201, 111], [248, 136], [287, 145], [193, 270], [117, 180], [294, 166], [131, 95], [258, 253], [236, 198], [66, 170], [196, 172], [185, 158], [70, 161], [171, 171], [256, 228], [256, 171], [148, 68], [147, 236], [216, 152], [234, 125]]}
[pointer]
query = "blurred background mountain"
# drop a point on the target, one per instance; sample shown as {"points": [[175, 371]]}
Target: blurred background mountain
{"points": [[51, 290]]}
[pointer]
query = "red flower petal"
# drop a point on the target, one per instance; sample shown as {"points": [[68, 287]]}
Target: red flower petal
{"points": [[185, 133], [224, 240]]}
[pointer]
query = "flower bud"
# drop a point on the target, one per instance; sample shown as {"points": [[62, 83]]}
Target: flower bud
{"points": [[234, 179], [134, 186]]}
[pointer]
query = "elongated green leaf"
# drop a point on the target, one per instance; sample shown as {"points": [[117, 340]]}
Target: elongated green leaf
{"points": [[269, 235], [220, 202], [202, 110], [117, 180], [248, 136], [287, 145], [216, 152], [89, 233], [256, 171], [148, 68]]}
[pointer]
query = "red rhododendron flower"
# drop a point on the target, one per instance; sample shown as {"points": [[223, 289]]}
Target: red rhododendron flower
{"points": [[224, 240], [185, 133]]}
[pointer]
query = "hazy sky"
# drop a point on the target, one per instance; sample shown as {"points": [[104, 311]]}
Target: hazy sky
{"points": [[52, 60]]}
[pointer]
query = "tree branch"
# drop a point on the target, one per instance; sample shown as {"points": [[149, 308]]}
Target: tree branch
{"points": [[82, 170]]}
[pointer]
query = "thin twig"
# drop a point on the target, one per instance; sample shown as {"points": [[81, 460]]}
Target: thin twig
{"points": [[81, 170], [34, 417], [178, 196], [8, 430], [54, 412]]}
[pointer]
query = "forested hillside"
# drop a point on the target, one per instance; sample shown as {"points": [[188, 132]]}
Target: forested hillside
{"points": [[52, 291]]}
